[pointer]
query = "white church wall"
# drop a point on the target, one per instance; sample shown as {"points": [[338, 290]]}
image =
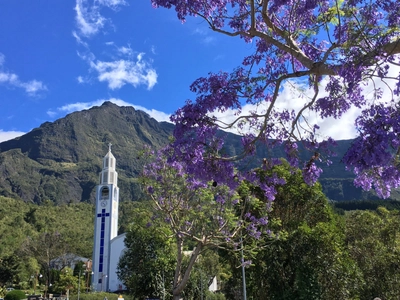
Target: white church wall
{"points": [[214, 285], [117, 249]]}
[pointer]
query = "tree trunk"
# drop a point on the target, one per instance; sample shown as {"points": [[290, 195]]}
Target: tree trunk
{"points": [[177, 297]]}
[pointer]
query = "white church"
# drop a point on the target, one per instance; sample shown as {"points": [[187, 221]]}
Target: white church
{"points": [[108, 246]]}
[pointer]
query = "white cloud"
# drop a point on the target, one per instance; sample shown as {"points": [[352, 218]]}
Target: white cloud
{"points": [[294, 95], [200, 31], [9, 135], [112, 3], [79, 39], [80, 79], [207, 39], [52, 113], [156, 114], [33, 86], [116, 73], [88, 18], [2, 59], [78, 106], [86, 56], [123, 71], [120, 72], [10, 79], [125, 50]]}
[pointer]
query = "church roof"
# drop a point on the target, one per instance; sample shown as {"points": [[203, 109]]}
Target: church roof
{"points": [[109, 153]]}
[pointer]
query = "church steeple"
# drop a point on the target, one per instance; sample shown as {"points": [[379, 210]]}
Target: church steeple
{"points": [[108, 175], [106, 222]]}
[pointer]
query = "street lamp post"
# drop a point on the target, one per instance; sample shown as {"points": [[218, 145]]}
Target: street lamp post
{"points": [[243, 273], [79, 283], [88, 279]]}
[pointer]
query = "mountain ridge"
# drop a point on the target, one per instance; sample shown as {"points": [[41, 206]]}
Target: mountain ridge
{"points": [[60, 161]]}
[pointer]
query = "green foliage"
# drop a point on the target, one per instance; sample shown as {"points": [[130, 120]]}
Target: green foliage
{"points": [[15, 295], [8, 269], [309, 259], [34, 235], [367, 205], [147, 266], [208, 266], [99, 296], [13, 228], [373, 242], [67, 283], [60, 161], [297, 202], [202, 217]]}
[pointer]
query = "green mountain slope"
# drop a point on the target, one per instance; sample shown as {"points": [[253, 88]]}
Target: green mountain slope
{"points": [[60, 161]]}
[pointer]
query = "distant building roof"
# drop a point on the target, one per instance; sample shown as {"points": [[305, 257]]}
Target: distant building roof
{"points": [[69, 260]]}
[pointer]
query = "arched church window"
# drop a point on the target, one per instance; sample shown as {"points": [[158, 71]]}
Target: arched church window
{"points": [[105, 192]]}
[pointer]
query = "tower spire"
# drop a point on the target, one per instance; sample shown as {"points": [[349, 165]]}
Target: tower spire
{"points": [[106, 222]]}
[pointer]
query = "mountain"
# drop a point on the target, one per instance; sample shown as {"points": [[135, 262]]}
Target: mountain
{"points": [[60, 161]]}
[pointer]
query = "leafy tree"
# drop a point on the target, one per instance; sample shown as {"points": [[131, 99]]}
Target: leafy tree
{"points": [[327, 51], [61, 219], [13, 228], [44, 248], [67, 283], [15, 295], [312, 263], [31, 236], [208, 266], [373, 242], [200, 216], [309, 260], [13, 232], [146, 267], [8, 269]]}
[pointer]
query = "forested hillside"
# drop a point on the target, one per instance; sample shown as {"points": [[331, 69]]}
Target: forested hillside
{"points": [[32, 235], [60, 161], [316, 248]]}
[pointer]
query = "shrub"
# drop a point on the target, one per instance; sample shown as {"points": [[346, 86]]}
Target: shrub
{"points": [[15, 295]]}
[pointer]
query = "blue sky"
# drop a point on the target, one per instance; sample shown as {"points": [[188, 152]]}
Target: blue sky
{"points": [[61, 56]]}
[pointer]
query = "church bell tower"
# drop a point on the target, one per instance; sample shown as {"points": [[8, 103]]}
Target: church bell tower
{"points": [[106, 222]]}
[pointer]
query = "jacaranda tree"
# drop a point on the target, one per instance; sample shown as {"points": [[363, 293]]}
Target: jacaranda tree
{"points": [[335, 47], [200, 215], [327, 50]]}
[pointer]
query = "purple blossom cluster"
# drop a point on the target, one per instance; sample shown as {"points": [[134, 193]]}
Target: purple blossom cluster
{"points": [[311, 173], [256, 226], [375, 154]]}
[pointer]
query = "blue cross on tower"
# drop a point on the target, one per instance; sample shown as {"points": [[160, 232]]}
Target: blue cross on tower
{"points": [[103, 216]]}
